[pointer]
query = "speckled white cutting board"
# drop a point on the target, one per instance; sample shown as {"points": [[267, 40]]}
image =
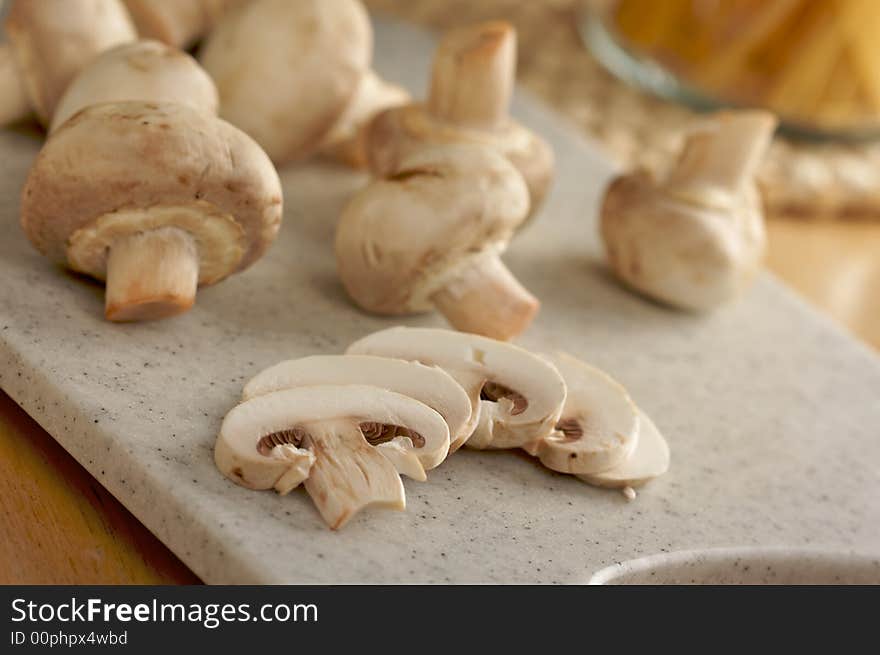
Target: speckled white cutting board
{"points": [[772, 414]]}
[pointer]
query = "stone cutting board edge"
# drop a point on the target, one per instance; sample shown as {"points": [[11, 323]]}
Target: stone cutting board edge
{"points": [[771, 411]]}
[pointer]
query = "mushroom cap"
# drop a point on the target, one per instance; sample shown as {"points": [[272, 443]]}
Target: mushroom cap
{"points": [[144, 70], [430, 385], [395, 133], [174, 22], [178, 23], [599, 425], [119, 168], [286, 71], [693, 253], [400, 239], [55, 39], [237, 451], [475, 361], [650, 459]]}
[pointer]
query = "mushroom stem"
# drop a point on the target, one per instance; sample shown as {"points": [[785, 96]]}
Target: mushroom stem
{"points": [[484, 297], [348, 473], [151, 275], [14, 103], [724, 156], [473, 75]]}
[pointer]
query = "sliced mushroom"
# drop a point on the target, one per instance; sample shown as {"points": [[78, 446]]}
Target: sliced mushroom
{"points": [[599, 426], [517, 397], [431, 236], [178, 23], [695, 239], [348, 473], [471, 85], [144, 70], [429, 385], [649, 460], [346, 141], [286, 71], [49, 42], [155, 199]]}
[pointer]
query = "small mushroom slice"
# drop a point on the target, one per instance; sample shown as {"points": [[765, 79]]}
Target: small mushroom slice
{"points": [[430, 385], [260, 442], [432, 235], [49, 42], [517, 397], [649, 460], [143, 70], [155, 198], [599, 425], [695, 239], [286, 71], [471, 84]]}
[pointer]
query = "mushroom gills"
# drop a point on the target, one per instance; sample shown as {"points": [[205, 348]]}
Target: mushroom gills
{"points": [[315, 435], [348, 474], [396, 443], [517, 397], [650, 459]]}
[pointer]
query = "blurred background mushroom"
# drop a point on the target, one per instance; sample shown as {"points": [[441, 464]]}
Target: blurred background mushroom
{"points": [[821, 198]]}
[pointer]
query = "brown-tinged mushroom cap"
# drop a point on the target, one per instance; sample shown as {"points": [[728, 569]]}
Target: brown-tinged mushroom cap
{"points": [[117, 173], [52, 40], [695, 239], [517, 397], [143, 70], [472, 81], [178, 23], [431, 235], [286, 71], [346, 473]]}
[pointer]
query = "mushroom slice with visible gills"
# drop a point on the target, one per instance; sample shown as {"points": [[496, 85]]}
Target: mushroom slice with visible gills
{"points": [[260, 442], [517, 397], [430, 385], [599, 426], [649, 460]]}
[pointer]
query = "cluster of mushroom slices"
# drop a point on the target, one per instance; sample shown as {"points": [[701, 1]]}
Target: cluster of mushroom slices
{"points": [[695, 239], [430, 235], [573, 417], [156, 198], [315, 57], [601, 436], [346, 427], [48, 43], [472, 81]]}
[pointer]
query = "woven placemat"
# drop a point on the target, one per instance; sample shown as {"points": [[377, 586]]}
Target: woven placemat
{"points": [[797, 178]]}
